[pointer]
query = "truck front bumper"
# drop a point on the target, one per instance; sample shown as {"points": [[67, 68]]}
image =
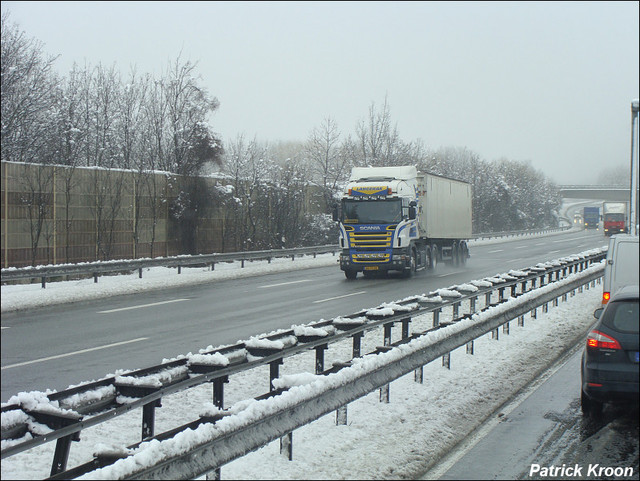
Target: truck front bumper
{"points": [[398, 260]]}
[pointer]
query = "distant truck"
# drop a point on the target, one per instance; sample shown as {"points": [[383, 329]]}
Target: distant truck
{"points": [[614, 217], [591, 217], [398, 219]]}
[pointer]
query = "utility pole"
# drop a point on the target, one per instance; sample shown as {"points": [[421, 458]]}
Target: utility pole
{"points": [[633, 206]]}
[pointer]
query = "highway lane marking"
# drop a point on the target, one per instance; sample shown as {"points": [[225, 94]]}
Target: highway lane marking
{"points": [[283, 284], [493, 252], [573, 239], [339, 297], [141, 306], [522, 247], [451, 274], [74, 353], [7, 327]]}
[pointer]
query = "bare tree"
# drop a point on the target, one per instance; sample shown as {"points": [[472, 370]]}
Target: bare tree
{"points": [[27, 94], [324, 153], [377, 138]]}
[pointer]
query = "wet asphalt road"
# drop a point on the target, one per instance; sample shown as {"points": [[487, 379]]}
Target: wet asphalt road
{"points": [[544, 428]]}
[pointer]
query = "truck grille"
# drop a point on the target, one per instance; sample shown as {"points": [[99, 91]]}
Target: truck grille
{"points": [[371, 247], [367, 240]]}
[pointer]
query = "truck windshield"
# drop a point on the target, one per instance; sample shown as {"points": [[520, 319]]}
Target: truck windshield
{"points": [[614, 217], [371, 212]]}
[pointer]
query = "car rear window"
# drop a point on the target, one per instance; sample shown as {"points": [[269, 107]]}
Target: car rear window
{"points": [[622, 316]]}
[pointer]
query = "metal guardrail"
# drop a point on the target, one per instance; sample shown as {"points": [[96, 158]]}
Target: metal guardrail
{"points": [[95, 269], [221, 448], [519, 233], [48, 272], [67, 425]]}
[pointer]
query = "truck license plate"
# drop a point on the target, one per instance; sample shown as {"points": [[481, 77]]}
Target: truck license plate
{"points": [[371, 268]]}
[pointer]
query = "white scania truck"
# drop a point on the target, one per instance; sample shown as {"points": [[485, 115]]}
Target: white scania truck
{"points": [[398, 219]]}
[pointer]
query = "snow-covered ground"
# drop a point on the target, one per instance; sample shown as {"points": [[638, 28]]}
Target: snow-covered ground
{"points": [[398, 440]]}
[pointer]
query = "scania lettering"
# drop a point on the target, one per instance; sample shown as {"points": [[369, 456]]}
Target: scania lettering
{"points": [[398, 219]]}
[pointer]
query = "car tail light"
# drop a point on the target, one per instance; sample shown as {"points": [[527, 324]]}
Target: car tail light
{"points": [[598, 340], [605, 297]]}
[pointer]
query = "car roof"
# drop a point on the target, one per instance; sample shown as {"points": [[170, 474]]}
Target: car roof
{"points": [[626, 292], [624, 237]]}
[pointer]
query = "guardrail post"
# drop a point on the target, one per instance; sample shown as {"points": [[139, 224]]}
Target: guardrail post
{"points": [[501, 293], [521, 321], [446, 360], [470, 347], [286, 446], [218, 401], [405, 327], [214, 475], [341, 416], [95, 277], [534, 313], [472, 304], [513, 290], [149, 418], [384, 390], [179, 269], [286, 441], [274, 372], [495, 334], [436, 317], [357, 342], [320, 357], [218, 391], [140, 273], [456, 308], [418, 375], [61, 455], [44, 281], [487, 298], [387, 334], [505, 328]]}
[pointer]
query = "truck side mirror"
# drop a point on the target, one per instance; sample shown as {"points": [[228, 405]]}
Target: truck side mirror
{"points": [[334, 213], [412, 210]]}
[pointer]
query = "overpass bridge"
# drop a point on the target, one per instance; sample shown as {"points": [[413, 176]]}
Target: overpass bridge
{"points": [[613, 193]]}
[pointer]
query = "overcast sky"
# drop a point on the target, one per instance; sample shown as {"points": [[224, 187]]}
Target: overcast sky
{"points": [[549, 82]]}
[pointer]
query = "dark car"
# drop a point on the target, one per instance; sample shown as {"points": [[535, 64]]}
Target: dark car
{"points": [[610, 358]]}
